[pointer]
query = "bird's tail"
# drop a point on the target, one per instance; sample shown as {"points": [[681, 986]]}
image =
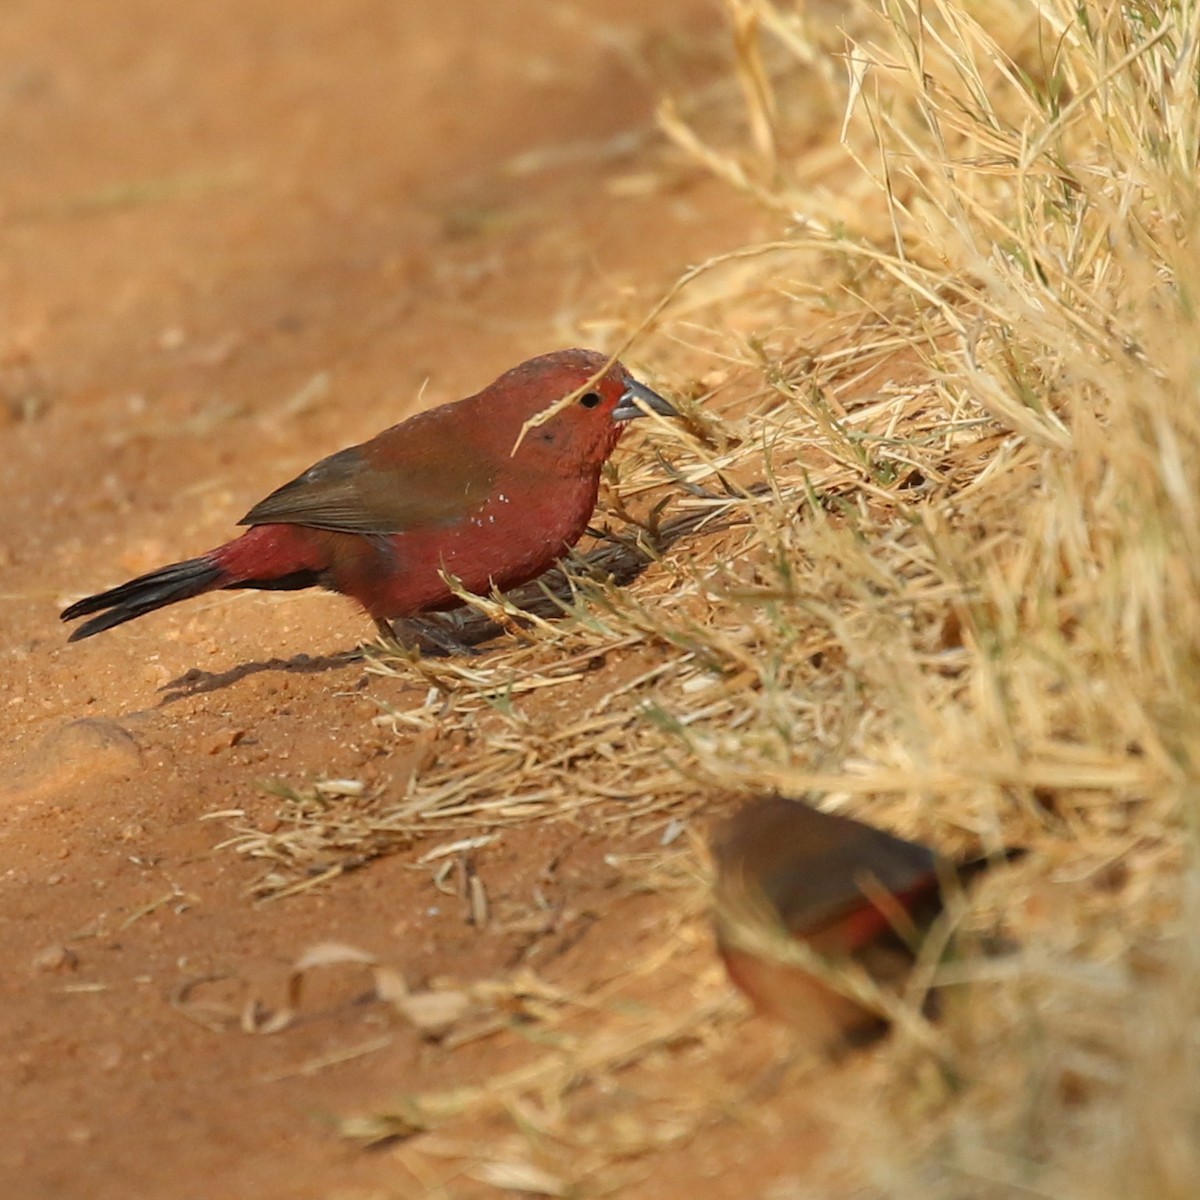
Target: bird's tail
{"points": [[144, 594]]}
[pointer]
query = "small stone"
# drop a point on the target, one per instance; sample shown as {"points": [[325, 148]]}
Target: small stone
{"points": [[55, 958], [224, 739]]}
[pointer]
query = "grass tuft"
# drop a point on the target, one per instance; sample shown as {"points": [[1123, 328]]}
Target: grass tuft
{"points": [[940, 569]]}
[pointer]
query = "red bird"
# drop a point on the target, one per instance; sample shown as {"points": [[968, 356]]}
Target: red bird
{"points": [[787, 870], [443, 492]]}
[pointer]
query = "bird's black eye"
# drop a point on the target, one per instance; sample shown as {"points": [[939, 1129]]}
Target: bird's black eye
{"points": [[589, 399]]}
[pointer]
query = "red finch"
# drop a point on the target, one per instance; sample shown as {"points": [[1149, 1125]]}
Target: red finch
{"points": [[845, 889], [443, 493]]}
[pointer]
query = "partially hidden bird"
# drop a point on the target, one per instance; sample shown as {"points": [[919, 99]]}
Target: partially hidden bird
{"points": [[460, 492], [847, 890]]}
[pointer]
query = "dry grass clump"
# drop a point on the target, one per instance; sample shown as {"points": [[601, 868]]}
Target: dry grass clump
{"points": [[1022, 633], [942, 566]]}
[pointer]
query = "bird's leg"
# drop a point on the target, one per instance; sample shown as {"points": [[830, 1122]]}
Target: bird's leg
{"points": [[391, 639], [423, 635]]}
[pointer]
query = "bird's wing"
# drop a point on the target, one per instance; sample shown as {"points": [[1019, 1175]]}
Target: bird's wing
{"points": [[381, 487], [811, 865]]}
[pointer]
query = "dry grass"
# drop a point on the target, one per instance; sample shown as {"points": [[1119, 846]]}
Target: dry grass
{"points": [[945, 571]]}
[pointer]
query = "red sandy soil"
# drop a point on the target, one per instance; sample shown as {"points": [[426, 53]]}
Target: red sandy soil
{"points": [[236, 237]]}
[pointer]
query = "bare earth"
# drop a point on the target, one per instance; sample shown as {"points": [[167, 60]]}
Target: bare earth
{"points": [[237, 237]]}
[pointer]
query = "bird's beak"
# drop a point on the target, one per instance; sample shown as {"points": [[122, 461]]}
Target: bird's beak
{"points": [[637, 399]]}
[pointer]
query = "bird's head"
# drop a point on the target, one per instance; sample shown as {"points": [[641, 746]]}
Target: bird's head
{"points": [[583, 433]]}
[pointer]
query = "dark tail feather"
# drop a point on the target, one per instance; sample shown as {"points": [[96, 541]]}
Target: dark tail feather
{"points": [[144, 594]]}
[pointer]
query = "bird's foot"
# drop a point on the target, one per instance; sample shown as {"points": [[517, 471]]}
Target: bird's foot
{"points": [[422, 636]]}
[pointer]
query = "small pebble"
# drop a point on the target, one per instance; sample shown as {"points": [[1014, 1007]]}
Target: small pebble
{"points": [[55, 958]]}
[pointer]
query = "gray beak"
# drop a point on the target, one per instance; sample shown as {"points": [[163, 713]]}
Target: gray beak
{"points": [[637, 399]]}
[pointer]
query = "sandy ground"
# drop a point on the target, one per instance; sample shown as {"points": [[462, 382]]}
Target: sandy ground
{"points": [[236, 237]]}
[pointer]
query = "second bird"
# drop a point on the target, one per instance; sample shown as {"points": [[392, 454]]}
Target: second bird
{"points": [[441, 494]]}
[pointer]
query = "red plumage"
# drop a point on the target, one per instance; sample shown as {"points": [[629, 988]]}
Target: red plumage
{"points": [[443, 493], [786, 870]]}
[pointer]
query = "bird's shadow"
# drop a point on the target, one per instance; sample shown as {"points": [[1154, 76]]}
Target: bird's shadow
{"points": [[620, 559], [196, 682]]}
